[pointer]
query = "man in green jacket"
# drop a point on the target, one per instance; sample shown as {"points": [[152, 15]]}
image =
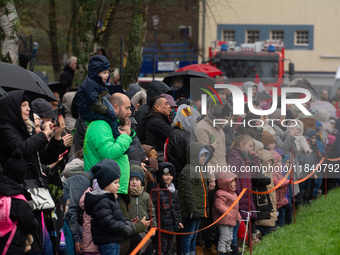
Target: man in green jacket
{"points": [[100, 144]]}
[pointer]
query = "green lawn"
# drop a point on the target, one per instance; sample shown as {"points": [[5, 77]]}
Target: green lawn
{"points": [[317, 230]]}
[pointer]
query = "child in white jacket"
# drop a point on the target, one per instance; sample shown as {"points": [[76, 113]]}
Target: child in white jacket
{"points": [[300, 140]]}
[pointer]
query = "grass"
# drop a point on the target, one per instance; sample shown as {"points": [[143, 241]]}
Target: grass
{"points": [[317, 230]]}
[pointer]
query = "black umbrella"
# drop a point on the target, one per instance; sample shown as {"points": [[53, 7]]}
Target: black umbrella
{"points": [[57, 86], [3, 93], [186, 77], [15, 77], [42, 76]]}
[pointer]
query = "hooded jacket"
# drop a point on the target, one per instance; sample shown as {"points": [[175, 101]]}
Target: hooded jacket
{"points": [[133, 89], [108, 222], [14, 135], [170, 216], [192, 185], [67, 103], [236, 158], [66, 78], [322, 116], [180, 136], [224, 197], [21, 212], [155, 88], [92, 89]]}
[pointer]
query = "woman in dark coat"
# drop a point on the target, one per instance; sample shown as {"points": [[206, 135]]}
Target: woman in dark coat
{"points": [[17, 132]]}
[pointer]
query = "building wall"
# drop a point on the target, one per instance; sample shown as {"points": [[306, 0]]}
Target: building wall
{"points": [[319, 17]]}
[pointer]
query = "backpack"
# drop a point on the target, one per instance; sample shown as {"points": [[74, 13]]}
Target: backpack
{"points": [[6, 224]]}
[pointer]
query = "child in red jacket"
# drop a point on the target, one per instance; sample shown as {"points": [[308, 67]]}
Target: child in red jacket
{"points": [[224, 197]]}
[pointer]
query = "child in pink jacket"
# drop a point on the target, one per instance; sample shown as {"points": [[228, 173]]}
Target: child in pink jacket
{"points": [[224, 197]]}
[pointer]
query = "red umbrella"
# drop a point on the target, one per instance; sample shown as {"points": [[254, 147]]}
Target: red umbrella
{"points": [[203, 68]]}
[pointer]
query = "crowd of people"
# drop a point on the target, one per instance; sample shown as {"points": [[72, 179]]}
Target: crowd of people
{"points": [[106, 153]]}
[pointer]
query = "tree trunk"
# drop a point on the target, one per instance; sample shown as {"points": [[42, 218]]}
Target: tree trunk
{"points": [[72, 36], [136, 41], [86, 31], [9, 32], [52, 34]]}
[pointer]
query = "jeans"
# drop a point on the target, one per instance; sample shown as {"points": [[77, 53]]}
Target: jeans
{"points": [[235, 231], [226, 236], [288, 207], [189, 241], [109, 249]]}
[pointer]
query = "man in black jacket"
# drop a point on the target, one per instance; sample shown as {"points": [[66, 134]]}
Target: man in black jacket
{"points": [[156, 125], [66, 78]]}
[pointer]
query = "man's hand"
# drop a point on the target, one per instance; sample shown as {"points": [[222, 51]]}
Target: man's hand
{"points": [[79, 247], [212, 186], [48, 128], [134, 220], [68, 138]]}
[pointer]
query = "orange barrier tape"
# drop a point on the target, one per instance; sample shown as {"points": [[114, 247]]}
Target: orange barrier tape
{"points": [[144, 240], [333, 159], [309, 175]]}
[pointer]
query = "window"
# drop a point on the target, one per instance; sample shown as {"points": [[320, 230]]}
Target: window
{"points": [[276, 35], [253, 36], [301, 38], [228, 35]]}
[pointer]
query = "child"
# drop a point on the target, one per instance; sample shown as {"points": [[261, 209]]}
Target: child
{"points": [[13, 175], [282, 202], [140, 199], [240, 153], [193, 192], [108, 224], [224, 197], [258, 148], [268, 140], [171, 218], [91, 94]]}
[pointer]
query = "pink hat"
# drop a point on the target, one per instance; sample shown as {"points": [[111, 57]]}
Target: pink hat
{"points": [[331, 139]]}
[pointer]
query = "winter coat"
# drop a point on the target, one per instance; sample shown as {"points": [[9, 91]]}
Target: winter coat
{"points": [[192, 185], [284, 140], [76, 166], [302, 145], [108, 221], [73, 189], [140, 207], [236, 158], [322, 116], [66, 78], [14, 135], [170, 216], [204, 131], [99, 144], [138, 154], [224, 197], [87, 242], [308, 122], [179, 139], [67, 103], [255, 132], [157, 128], [281, 200], [21, 212], [139, 227], [229, 136], [133, 89], [92, 89], [155, 88]]}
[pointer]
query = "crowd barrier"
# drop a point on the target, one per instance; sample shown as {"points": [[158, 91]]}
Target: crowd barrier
{"points": [[152, 230]]}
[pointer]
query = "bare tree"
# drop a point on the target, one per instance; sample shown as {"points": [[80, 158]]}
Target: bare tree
{"points": [[9, 32]]}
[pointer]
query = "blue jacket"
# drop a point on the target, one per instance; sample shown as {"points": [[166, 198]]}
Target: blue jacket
{"points": [[93, 88]]}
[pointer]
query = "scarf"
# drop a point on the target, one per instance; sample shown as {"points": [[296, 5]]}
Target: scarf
{"points": [[136, 192]]}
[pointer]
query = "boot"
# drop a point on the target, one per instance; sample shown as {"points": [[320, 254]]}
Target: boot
{"points": [[199, 250], [210, 250]]}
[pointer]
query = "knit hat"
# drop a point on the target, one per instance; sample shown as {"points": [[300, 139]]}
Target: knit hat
{"points": [[332, 121], [42, 108], [299, 124], [15, 168], [331, 139], [106, 172], [258, 145], [276, 156], [167, 167], [267, 138], [285, 159], [276, 114], [318, 125], [266, 155], [138, 175]]}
